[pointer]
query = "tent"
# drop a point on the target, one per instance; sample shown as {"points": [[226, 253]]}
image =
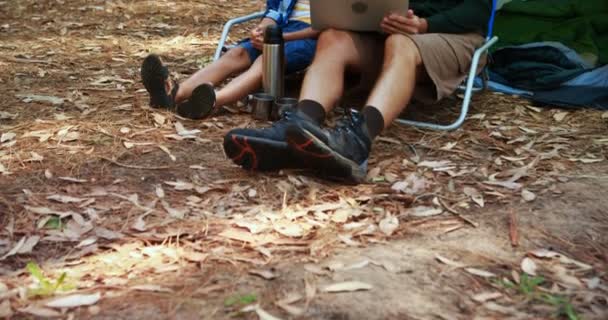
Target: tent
{"points": [[553, 51]]}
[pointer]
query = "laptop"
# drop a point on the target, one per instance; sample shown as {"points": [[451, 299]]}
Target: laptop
{"points": [[354, 15]]}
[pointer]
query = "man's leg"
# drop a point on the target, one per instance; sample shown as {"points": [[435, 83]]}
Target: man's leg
{"points": [[401, 71], [337, 52], [342, 152], [235, 60]]}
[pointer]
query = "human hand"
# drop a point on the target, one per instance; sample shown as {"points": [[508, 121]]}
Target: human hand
{"points": [[257, 34], [404, 24]]}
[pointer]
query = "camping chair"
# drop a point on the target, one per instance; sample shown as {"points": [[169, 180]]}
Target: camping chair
{"points": [[228, 26], [468, 88]]}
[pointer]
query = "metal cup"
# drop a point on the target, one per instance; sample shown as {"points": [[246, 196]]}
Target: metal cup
{"points": [[281, 105], [261, 106]]}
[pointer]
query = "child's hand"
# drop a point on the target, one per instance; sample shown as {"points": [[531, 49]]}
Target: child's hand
{"points": [[257, 34], [404, 24]]}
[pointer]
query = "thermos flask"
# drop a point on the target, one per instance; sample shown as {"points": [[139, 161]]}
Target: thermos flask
{"points": [[273, 58]]}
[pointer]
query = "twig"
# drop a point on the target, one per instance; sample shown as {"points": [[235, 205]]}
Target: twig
{"points": [[513, 233], [134, 167], [456, 213]]}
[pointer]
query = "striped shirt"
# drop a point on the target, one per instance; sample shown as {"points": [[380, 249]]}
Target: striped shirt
{"points": [[301, 11]]}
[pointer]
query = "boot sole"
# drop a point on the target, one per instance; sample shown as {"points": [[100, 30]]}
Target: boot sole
{"points": [[200, 104], [153, 77], [318, 156], [253, 153]]}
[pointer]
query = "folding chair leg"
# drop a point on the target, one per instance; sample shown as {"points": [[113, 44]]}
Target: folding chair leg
{"points": [[467, 95], [228, 26]]}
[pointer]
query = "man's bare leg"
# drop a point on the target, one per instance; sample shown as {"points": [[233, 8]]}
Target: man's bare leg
{"points": [[395, 86], [233, 61], [242, 85], [337, 51]]}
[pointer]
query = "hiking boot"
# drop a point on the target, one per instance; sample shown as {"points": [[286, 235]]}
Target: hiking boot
{"points": [[154, 76], [338, 153], [200, 104], [264, 149]]}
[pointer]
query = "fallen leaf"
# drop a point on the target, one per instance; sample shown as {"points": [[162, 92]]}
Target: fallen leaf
{"points": [[86, 242], [264, 273], [40, 311], [48, 174], [449, 262], [107, 234], [254, 227], [564, 277], [181, 130], [150, 287], [389, 224], [75, 300], [286, 302], [7, 136], [559, 117], [290, 228], [168, 152], [479, 272], [173, 212], [159, 119], [264, 315], [475, 196], [5, 309], [348, 286], [27, 98], [423, 211], [3, 170], [528, 266], [180, 185], [486, 296], [528, 195], [15, 249], [436, 164], [7, 116], [65, 199]]}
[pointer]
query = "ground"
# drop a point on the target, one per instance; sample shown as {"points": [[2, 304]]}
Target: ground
{"points": [[145, 218]]}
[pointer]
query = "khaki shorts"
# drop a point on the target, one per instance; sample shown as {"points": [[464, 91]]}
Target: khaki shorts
{"points": [[447, 60]]}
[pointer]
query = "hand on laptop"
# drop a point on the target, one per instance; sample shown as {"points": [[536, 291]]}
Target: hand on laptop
{"points": [[257, 34], [404, 24]]}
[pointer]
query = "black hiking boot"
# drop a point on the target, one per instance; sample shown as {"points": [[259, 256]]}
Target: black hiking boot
{"points": [[154, 75], [264, 149], [337, 153]]}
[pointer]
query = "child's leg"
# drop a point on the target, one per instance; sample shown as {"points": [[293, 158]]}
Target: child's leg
{"points": [[244, 84], [235, 60]]}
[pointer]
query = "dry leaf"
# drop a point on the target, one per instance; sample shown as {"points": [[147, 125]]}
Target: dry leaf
{"points": [[486, 296], [254, 227], [75, 300], [174, 213], [559, 117], [160, 192], [475, 196], [159, 119], [348, 286], [48, 174], [264, 273], [449, 262], [168, 152], [7, 136], [528, 195], [423, 211], [5, 309], [27, 98], [40, 311], [108, 234], [389, 224], [150, 287], [286, 302], [15, 249], [528, 266], [180, 185], [479, 272], [264, 315], [65, 199]]}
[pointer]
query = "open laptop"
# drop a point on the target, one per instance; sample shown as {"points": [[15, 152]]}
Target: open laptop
{"points": [[354, 15]]}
